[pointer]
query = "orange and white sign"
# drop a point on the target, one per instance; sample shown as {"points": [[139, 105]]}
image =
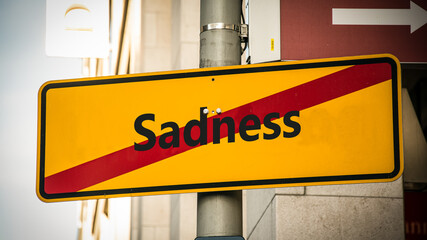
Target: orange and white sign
{"points": [[327, 121]]}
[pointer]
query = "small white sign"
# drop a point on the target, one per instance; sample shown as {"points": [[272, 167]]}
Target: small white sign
{"points": [[77, 28], [264, 30]]}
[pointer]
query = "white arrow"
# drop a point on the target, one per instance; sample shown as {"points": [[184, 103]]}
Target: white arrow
{"points": [[415, 16]]}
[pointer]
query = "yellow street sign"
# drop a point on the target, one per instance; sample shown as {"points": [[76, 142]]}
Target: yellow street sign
{"points": [[327, 121]]}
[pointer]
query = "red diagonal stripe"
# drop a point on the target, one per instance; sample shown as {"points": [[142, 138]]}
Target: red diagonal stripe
{"points": [[298, 98]]}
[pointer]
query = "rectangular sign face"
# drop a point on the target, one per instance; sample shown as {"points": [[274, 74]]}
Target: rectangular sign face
{"points": [[335, 28], [328, 121]]}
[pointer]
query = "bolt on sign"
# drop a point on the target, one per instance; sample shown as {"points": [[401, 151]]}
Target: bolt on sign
{"points": [[313, 122]]}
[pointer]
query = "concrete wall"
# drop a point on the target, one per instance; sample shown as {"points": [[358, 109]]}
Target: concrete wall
{"points": [[357, 211], [183, 216], [156, 34], [155, 217], [185, 34]]}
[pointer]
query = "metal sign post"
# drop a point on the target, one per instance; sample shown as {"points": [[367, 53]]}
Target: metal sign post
{"points": [[219, 214]]}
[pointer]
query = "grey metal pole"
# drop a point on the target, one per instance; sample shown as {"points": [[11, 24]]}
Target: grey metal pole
{"points": [[219, 214], [219, 38]]}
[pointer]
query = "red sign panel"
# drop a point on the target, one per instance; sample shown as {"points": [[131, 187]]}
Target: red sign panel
{"points": [[334, 28]]}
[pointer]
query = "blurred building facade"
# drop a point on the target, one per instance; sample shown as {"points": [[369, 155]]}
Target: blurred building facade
{"points": [[161, 35]]}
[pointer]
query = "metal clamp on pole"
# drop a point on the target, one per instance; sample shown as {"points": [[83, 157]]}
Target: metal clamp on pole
{"points": [[241, 29], [244, 33], [220, 238], [213, 26]]}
